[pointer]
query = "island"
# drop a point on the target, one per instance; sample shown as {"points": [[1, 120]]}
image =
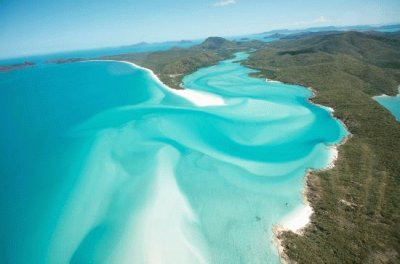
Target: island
{"points": [[62, 61], [275, 35], [12, 67]]}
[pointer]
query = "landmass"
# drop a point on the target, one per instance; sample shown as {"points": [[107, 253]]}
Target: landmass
{"points": [[360, 28], [356, 204], [172, 65], [7, 68], [275, 35], [62, 61]]}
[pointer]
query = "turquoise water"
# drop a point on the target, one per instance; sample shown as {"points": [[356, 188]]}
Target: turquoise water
{"points": [[102, 164], [391, 103]]}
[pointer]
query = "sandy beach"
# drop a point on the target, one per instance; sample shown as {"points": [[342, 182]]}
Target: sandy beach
{"points": [[271, 81], [300, 218], [196, 97]]}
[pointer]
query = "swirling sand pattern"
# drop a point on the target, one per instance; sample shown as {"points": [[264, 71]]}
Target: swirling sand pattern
{"points": [[165, 180]]}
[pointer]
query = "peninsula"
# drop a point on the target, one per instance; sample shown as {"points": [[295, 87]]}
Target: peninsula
{"points": [[172, 65]]}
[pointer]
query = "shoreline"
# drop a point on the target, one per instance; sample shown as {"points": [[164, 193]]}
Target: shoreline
{"points": [[385, 95], [296, 221], [198, 98], [272, 81], [390, 103], [300, 219]]}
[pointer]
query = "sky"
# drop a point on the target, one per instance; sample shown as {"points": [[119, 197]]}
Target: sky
{"points": [[29, 27]]}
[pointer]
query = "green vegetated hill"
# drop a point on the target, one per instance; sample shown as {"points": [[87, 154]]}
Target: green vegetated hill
{"points": [[172, 65], [357, 203]]}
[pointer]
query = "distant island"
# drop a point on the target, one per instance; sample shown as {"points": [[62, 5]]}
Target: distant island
{"points": [[6, 68], [62, 61], [275, 35]]}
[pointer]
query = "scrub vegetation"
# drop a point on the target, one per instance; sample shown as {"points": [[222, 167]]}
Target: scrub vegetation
{"points": [[172, 65]]}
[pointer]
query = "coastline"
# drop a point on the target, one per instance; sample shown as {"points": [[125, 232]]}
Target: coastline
{"points": [[385, 95], [200, 99], [300, 219], [271, 81], [390, 103], [374, 139]]}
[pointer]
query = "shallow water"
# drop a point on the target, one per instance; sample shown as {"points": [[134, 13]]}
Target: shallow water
{"points": [[102, 164], [391, 103]]}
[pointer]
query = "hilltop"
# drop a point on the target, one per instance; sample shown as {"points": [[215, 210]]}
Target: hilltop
{"points": [[215, 43], [374, 59], [172, 65]]}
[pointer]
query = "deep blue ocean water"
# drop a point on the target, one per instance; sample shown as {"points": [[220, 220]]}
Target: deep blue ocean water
{"points": [[103, 164]]}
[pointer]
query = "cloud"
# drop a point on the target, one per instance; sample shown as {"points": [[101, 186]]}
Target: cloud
{"points": [[224, 3], [319, 20]]}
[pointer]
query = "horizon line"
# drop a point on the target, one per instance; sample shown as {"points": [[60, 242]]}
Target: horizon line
{"points": [[184, 39]]}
